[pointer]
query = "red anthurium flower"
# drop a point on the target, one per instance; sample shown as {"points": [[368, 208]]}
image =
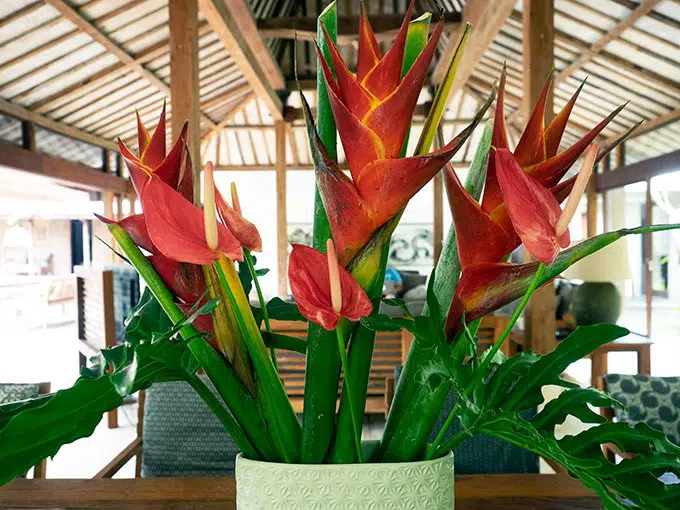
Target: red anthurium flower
{"points": [[323, 291], [536, 154], [174, 169], [535, 212], [246, 233], [178, 228], [135, 226]]}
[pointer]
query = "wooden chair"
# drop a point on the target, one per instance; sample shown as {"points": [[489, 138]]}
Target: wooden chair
{"points": [[96, 317], [386, 356], [134, 449]]}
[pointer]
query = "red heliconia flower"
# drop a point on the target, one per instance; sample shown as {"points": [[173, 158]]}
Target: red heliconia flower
{"points": [[174, 168], [246, 233], [178, 228], [323, 291], [536, 154], [373, 111]]}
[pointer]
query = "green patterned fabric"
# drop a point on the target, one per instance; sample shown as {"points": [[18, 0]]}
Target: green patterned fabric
{"points": [[652, 400], [11, 392], [182, 437]]}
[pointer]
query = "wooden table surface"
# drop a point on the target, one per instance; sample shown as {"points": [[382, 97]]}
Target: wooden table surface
{"points": [[476, 492]]}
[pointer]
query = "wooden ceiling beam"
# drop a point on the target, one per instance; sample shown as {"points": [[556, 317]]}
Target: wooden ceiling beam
{"points": [[656, 123], [234, 24], [303, 28], [23, 114], [72, 174], [227, 118], [640, 171], [87, 27], [597, 47], [486, 23], [77, 90]]}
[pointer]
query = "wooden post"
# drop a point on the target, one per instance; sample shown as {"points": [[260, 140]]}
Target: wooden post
{"points": [[649, 290], [591, 206], [184, 90], [27, 135], [538, 39], [438, 220], [281, 223]]}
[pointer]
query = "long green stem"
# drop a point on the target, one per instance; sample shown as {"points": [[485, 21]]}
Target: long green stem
{"points": [[347, 386], [263, 306], [230, 387], [481, 371], [230, 424], [276, 406]]}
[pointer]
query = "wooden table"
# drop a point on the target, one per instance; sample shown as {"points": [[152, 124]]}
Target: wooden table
{"points": [[477, 492]]}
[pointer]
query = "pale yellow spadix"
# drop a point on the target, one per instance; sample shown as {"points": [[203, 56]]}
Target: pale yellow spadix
{"points": [[209, 212], [334, 276], [235, 203], [577, 191]]}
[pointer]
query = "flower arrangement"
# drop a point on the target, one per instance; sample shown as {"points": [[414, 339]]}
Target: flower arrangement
{"points": [[198, 267]]}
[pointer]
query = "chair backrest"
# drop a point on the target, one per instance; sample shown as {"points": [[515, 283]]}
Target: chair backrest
{"points": [[181, 435], [386, 355], [652, 400], [483, 454]]}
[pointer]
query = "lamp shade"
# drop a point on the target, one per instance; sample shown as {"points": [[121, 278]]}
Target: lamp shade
{"points": [[610, 264]]}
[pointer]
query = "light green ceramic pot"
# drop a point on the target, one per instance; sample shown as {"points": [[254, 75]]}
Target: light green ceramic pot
{"points": [[426, 485]]}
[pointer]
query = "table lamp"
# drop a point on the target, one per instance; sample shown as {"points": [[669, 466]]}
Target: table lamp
{"points": [[597, 299]]}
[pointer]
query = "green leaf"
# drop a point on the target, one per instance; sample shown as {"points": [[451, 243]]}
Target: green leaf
{"points": [[381, 322], [399, 303], [580, 343], [574, 402], [38, 429], [281, 310], [285, 342]]}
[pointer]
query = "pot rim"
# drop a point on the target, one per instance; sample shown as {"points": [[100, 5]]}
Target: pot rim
{"points": [[445, 458]]}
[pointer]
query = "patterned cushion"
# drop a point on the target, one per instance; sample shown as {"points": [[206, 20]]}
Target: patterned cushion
{"points": [[652, 400], [482, 454], [11, 392], [182, 437]]}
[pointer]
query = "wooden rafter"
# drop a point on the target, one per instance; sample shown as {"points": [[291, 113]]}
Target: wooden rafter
{"points": [[303, 28], [587, 54], [58, 127], [87, 27], [235, 26], [656, 123], [227, 118], [610, 35], [104, 76], [486, 23], [66, 172]]}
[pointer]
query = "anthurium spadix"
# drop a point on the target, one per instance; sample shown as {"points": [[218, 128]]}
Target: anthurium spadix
{"points": [[323, 291]]}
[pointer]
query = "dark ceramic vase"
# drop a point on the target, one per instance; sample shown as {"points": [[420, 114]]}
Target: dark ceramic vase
{"points": [[596, 302]]}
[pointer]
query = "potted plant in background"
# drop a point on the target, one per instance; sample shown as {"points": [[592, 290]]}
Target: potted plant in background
{"points": [[195, 314]]}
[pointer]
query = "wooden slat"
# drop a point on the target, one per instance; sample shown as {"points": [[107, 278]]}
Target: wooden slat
{"points": [[86, 26], [18, 112], [303, 28], [73, 174], [281, 222], [486, 22], [234, 24], [637, 172]]}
